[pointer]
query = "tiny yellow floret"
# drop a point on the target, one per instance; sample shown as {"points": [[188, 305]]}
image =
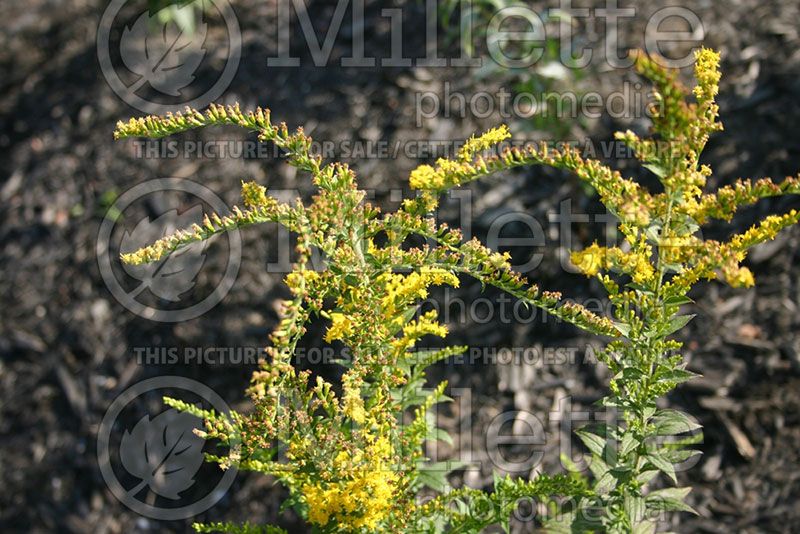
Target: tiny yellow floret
{"points": [[487, 140], [341, 326]]}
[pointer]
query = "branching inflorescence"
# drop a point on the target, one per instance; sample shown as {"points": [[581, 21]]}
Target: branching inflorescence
{"points": [[352, 460]]}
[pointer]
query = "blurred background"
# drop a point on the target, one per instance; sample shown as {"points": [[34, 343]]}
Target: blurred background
{"points": [[77, 330]]}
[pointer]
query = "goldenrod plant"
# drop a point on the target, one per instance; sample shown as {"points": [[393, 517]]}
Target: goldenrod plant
{"points": [[350, 453]]}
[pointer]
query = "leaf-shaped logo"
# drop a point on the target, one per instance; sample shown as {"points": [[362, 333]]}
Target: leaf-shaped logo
{"points": [[174, 275], [163, 452], [164, 55]]}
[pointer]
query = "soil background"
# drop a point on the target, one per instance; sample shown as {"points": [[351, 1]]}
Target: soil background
{"points": [[66, 344]]}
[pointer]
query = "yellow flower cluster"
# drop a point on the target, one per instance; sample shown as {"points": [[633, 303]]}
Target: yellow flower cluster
{"points": [[399, 291], [636, 263], [155, 126], [302, 281], [364, 495], [589, 260], [766, 230], [448, 173], [260, 208], [706, 70], [425, 177], [724, 203], [402, 289], [678, 249], [352, 403], [482, 142], [253, 194], [341, 327], [690, 183], [711, 257], [738, 276], [425, 325]]}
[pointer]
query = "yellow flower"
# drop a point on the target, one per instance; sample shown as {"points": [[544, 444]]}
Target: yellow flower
{"points": [[739, 276], [435, 276], [352, 403], [362, 495], [448, 173], [482, 142], [295, 278], [677, 249], [640, 268], [425, 177], [706, 70], [341, 327], [254, 195], [765, 230], [425, 325], [589, 261], [403, 289], [635, 263], [321, 502]]}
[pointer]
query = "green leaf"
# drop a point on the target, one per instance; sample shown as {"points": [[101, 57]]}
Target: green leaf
{"points": [[653, 233], [663, 465], [436, 480], [669, 500], [561, 523], [672, 493], [413, 394], [676, 323], [671, 422], [634, 506], [646, 476], [672, 267], [641, 288], [434, 475], [593, 442], [678, 456], [597, 466], [644, 527], [677, 300], [439, 434], [623, 328], [628, 445], [344, 362], [408, 314], [656, 169], [568, 464], [588, 519], [606, 483], [622, 472], [677, 376], [630, 374]]}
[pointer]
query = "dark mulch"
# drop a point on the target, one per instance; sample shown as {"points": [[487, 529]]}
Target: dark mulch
{"points": [[66, 345]]}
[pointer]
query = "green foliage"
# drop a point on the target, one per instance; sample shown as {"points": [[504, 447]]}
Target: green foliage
{"points": [[549, 77], [353, 458], [232, 528], [183, 13]]}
